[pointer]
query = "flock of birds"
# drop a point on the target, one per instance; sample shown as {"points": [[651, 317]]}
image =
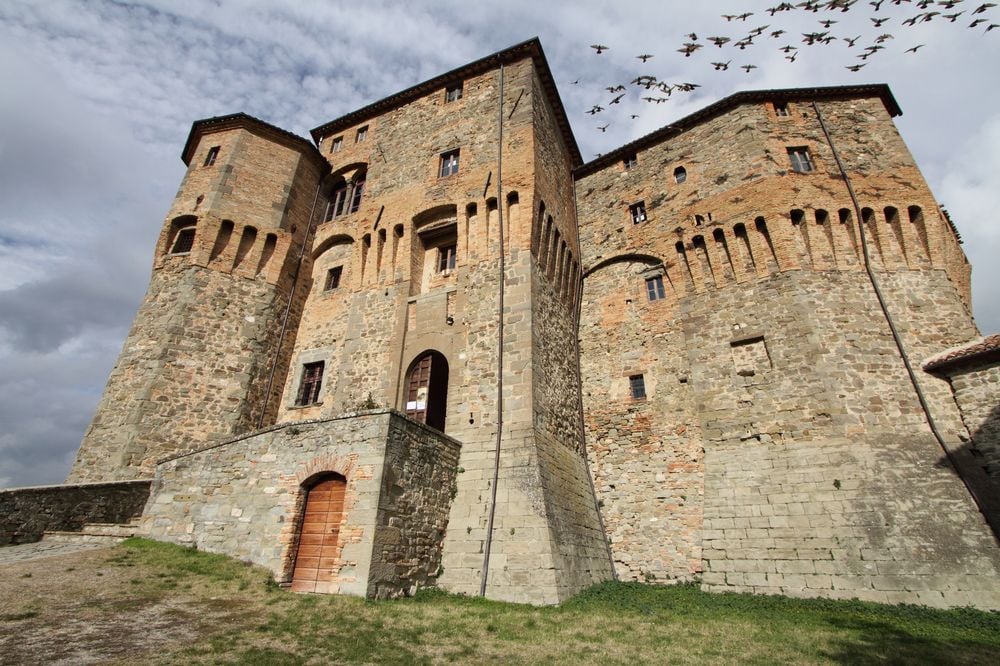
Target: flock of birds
{"points": [[655, 91]]}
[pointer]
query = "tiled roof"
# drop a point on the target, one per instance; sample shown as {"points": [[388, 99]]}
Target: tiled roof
{"points": [[988, 348]]}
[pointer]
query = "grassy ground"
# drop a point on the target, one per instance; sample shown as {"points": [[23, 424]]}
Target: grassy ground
{"points": [[151, 602]]}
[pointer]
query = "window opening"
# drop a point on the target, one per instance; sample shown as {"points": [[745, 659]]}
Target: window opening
{"points": [[361, 135], [453, 93], [637, 387], [359, 188], [630, 162], [312, 382], [184, 241], [781, 109], [213, 153], [333, 278], [638, 212], [654, 288], [337, 144], [449, 163], [800, 159], [680, 175], [446, 257]]}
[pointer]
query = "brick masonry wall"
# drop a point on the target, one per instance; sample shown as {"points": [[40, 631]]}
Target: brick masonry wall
{"points": [[977, 391], [245, 498], [25, 513], [770, 372]]}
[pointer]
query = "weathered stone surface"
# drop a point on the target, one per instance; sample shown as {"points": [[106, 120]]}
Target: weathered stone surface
{"points": [[25, 513]]}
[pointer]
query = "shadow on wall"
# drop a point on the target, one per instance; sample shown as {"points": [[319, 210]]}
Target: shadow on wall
{"points": [[978, 463]]}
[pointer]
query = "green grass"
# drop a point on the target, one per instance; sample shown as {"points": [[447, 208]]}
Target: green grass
{"points": [[243, 618]]}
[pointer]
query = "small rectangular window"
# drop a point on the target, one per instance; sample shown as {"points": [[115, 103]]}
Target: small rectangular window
{"points": [[449, 163], [312, 382], [213, 153], [359, 188], [781, 109], [337, 144], [361, 135], [333, 278], [654, 288], [630, 162], [453, 93], [638, 212], [184, 241], [446, 258], [800, 159], [637, 387]]}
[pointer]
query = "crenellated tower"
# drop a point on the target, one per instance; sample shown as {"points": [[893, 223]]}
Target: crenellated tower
{"points": [[201, 352]]}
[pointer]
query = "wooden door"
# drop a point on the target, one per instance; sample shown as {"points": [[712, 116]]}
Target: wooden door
{"points": [[319, 540]]}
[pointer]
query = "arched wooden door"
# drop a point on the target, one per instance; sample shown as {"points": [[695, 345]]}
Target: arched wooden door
{"points": [[319, 540], [427, 389]]}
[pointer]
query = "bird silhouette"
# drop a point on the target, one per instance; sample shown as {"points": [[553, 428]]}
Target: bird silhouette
{"points": [[929, 15], [719, 41], [614, 89], [851, 40], [991, 26], [595, 109], [644, 57], [878, 21], [855, 68], [600, 48], [729, 17], [634, 116], [877, 4], [604, 128], [744, 16], [791, 58], [616, 100], [826, 23], [743, 43], [983, 7], [883, 38], [952, 17], [914, 49], [722, 65], [778, 33], [693, 37], [688, 49], [758, 31], [747, 68], [686, 87], [788, 48], [976, 22]]}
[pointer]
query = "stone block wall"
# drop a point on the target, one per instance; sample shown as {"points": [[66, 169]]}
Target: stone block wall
{"points": [[25, 513], [245, 498]]}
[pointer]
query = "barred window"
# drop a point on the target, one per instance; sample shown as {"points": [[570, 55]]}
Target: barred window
{"points": [[446, 258], [453, 93], [630, 162], [312, 382], [184, 241], [213, 153], [637, 387], [781, 109]]}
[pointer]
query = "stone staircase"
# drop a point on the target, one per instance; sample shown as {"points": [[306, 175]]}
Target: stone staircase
{"points": [[108, 533]]}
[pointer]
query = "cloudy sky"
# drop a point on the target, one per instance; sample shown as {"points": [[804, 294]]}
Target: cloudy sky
{"points": [[98, 98]]}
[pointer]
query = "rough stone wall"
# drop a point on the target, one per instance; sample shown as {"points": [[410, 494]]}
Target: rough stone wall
{"points": [[197, 360], [245, 498], [977, 391], [770, 368], [25, 513]]}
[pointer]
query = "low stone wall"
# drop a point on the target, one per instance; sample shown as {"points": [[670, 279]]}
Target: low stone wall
{"points": [[25, 513], [245, 498]]}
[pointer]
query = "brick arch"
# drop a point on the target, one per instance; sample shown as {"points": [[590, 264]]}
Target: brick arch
{"points": [[325, 463], [326, 244], [630, 257]]}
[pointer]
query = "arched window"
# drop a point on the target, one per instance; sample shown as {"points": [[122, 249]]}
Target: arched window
{"points": [[182, 234], [319, 548], [427, 389], [680, 175], [345, 197]]}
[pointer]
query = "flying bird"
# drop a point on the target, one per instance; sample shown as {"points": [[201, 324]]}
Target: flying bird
{"points": [[600, 48], [851, 40], [990, 27], [747, 68], [616, 100], [693, 37], [878, 21], [634, 116], [914, 49], [826, 23], [746, 15], [614, 89], [952, 17], [758, 31], [743, 43], [604, 128], [688, 49], [778, 33], [983, 7], [977, 22], [722, 65], [644, 57], [877, 4], [855, 68], [883, 38], [718, 41], [788, 48], [595, 109]]}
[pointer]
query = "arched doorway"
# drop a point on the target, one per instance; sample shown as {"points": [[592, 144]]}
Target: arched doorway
{"points": [[319, 538], [427, 389]]}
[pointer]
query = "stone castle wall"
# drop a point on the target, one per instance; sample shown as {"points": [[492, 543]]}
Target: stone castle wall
{"points": [[245, 498]]}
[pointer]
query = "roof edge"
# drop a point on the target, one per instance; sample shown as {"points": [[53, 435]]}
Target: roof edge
{"points": [[214, 124], [880, 90], [981, 350], [529, 48]]}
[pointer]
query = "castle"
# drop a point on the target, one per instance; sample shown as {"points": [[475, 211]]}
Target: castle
{"points": [[432, 346]]}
